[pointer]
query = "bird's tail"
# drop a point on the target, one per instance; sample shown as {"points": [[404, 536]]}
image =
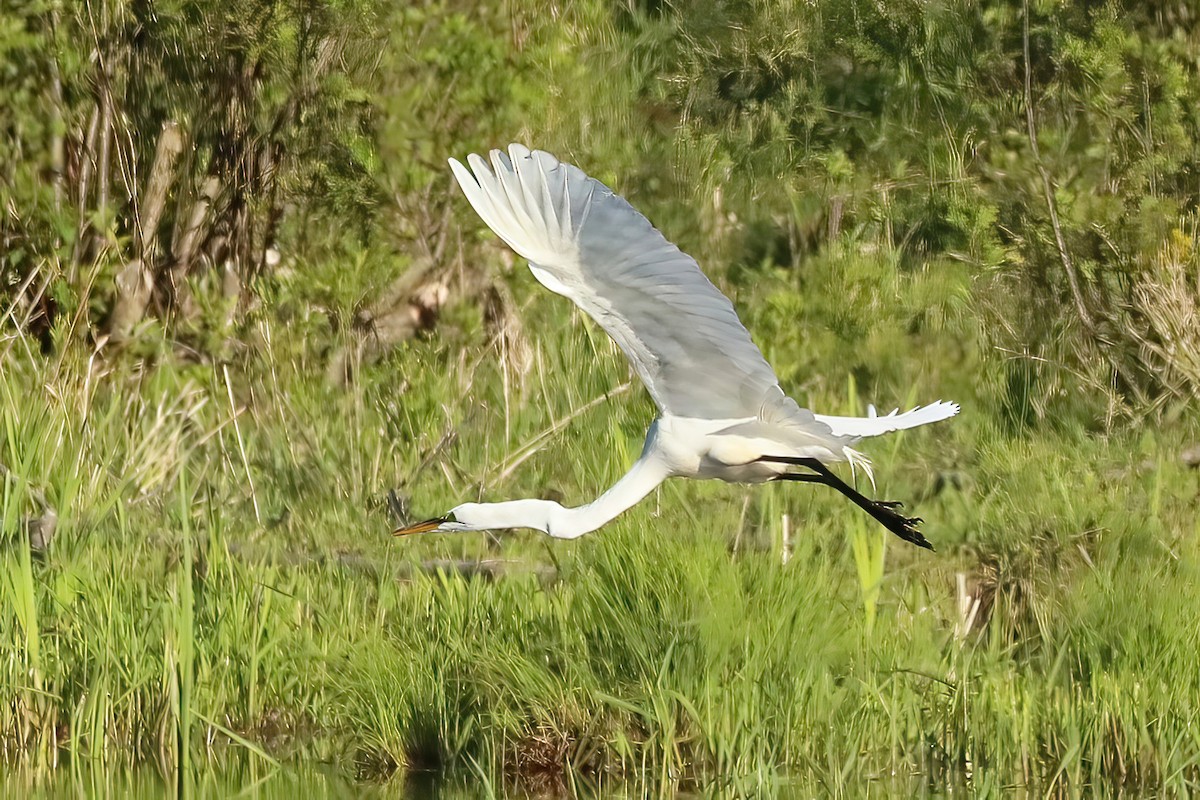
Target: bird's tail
{"points": [[875, 425]]}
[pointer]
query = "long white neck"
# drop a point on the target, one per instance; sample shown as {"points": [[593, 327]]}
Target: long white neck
{"points": [[643, 477], [567, 523]]}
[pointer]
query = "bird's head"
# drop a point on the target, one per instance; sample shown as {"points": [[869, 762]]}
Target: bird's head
{"points": [[447, 524]]}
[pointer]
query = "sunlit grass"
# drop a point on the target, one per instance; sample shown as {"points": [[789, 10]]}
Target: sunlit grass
{"points": [[167, 621]]}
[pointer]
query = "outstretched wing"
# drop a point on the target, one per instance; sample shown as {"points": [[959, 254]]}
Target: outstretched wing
{"points": [[679, 332]]}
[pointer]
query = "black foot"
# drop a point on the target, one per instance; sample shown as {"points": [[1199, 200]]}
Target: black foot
{"points": [[904, 527], [882, 510]]}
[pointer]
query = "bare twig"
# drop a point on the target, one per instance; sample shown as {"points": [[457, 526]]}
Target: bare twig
{"points": [[968, 607], [237, 429]]}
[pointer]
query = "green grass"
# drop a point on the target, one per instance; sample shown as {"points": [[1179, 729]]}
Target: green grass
{"points": [[222, 584]]}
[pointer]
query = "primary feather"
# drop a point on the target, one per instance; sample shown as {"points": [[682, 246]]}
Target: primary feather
{"points": [[681, 335]]}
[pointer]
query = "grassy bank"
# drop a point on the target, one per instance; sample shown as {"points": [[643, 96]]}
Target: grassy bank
{"points": [[221, 579]]}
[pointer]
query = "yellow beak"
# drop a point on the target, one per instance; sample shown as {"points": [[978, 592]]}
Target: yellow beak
{"points": [[420, 527]]}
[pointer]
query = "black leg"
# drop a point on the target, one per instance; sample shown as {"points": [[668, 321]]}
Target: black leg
{"points": [[802, 477], [883, 511]]}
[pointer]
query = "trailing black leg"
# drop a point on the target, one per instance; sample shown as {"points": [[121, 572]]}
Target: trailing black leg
{"points": [[884, 511]]}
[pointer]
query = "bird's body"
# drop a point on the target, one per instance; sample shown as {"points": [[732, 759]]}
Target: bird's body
{"points": [[722, 412], [728, 449]]}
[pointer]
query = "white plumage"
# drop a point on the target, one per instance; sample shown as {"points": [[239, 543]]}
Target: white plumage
{"points": [[722, 412]]}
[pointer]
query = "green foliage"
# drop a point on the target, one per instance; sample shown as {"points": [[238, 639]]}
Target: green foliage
{"points": [[861, 178], [229, 573], [35, 221], [905, 125], [272, 107]]}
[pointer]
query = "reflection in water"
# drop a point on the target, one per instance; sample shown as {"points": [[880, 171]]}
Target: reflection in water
{"points": [[306, 780], [310, 780], [249, 778], [253, 778]]}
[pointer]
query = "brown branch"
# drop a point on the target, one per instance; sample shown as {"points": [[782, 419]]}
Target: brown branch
{"points": [[135, 281], [410, 305], [87, 165], [170, 145], [187, 245], [106, 137], [401, 571], [133, 286], [58, 142]]}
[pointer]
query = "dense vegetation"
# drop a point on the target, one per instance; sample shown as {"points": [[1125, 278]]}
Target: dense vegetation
{"points": [[249, 325]]}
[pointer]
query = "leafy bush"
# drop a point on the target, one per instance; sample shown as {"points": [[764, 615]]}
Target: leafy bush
{"points": [[1051, 150]]}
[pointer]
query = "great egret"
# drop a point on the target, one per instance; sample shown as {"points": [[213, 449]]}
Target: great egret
{"points": [[722, 413]]}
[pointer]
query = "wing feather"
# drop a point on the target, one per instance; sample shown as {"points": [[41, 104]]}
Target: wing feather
{"points": [[679, 332]]}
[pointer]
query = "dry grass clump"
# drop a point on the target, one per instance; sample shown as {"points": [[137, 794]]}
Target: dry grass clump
{"points": [[1166, 323]]}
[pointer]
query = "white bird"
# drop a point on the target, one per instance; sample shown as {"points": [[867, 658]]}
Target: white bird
{"points": [[721, 411]]}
